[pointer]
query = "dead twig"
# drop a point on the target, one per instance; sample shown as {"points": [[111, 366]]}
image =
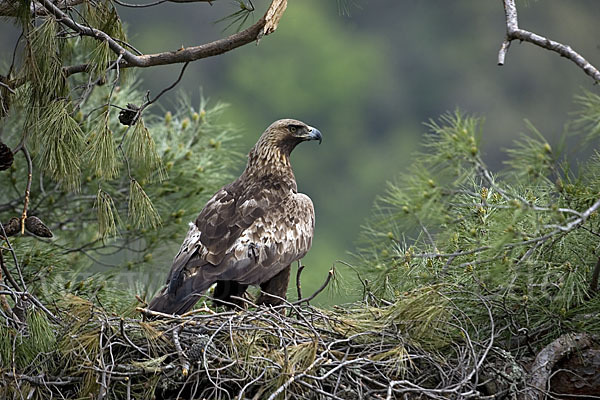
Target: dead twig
{"points": [[513, 32], [185, 364], [594, 280], [307, 300], [298, 283], [27, 187]]}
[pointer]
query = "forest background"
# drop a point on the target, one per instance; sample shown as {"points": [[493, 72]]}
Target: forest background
{"points": [[477, 261], [368, 76]]}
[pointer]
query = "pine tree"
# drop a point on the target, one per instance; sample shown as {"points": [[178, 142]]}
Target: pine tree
{"points": [[508, 259]]}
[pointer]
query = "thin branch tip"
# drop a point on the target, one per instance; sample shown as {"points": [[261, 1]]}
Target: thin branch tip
{"points": [[513, 32]]}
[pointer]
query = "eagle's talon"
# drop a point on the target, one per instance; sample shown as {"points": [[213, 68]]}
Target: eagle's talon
{"points": [[253, 251]]}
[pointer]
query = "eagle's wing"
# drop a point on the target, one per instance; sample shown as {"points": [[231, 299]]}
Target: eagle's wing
{"points": [[238, 239], [220, 223], [277, 239]]}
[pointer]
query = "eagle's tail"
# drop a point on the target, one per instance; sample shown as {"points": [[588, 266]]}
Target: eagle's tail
{"points": [[165, 302]]}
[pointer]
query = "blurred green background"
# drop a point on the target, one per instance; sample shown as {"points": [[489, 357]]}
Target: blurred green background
{"points": [[368, 81]]}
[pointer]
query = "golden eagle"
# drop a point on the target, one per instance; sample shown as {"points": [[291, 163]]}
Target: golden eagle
{"points": [[249, 232]]}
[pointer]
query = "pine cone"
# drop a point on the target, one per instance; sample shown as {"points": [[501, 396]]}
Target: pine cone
{"points": [[12, 227], [195, 352], [129, 116], [6, 157], [37, 227]]}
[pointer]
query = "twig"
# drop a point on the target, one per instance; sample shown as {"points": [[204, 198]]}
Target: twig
{"points": [[43, 380], [103, 378], [319, 290], [291, 380], [27, 188], [298, 284], [185, 364], [7, 273], [4, 85], [170, 87], [594, 280], [263, 26], [513, 32], [122, 329]]}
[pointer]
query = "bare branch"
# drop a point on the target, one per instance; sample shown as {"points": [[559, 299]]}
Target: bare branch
{"points": [[185, 364], [514, 32], [9, 8], [265, 25], [298, 282]]}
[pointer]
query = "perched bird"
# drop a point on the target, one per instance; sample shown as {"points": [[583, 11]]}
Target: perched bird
{"points": [[249, 232]]}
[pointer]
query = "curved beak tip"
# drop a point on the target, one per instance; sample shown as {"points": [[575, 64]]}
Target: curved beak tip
{"points": [[315, 134]]}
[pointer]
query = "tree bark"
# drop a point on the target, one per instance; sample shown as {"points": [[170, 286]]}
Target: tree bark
{"points": [[566, 350]]}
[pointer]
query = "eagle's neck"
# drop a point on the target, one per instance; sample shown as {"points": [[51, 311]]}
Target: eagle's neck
{"points": [[271, 162]]}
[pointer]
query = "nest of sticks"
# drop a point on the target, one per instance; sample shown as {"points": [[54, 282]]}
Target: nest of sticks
{"points": [[420, 346], [292, 351]]}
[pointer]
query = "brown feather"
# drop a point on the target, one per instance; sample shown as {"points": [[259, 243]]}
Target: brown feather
{"points": [[249, 231]]}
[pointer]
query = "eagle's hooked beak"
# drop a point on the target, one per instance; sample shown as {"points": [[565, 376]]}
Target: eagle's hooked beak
{"points": [[314, 134]]}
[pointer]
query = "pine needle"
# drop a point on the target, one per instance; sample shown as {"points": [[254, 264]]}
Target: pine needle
{"points": [[108, 218], [101, 150], [141, 210], [43, 64], [100, 59], [141, 150], [60, 139]]}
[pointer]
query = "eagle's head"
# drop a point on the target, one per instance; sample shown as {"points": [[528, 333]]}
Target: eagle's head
{"points": [[285, 134], [271, 154]]}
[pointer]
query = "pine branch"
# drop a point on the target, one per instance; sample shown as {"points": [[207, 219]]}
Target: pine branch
{"points": [[513, 32], [265, 26]]}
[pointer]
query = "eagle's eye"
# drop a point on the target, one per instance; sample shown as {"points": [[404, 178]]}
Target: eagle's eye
{"points": [[292, 129]]}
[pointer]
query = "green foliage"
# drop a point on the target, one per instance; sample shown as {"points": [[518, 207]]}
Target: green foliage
{"points": [[107, 215], [118, 174], [588, 117], [59, 140], [100, 58], [102, 15], [38, 341], [521, 241], [239, 17], [43, 67], [531, 158], [101, 150], [141, 150], [141, 210]]}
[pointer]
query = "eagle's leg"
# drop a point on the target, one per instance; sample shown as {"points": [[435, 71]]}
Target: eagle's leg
{"points": [[276, 286], [224, 291]]}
